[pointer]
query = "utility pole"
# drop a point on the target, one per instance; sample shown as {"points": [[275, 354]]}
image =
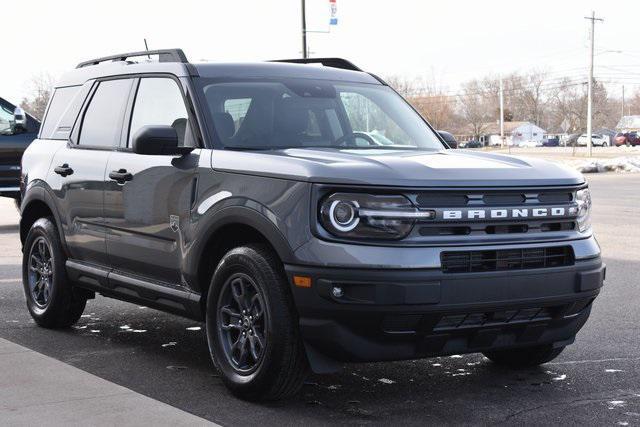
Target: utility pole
{"points": [[622, 101], [501, 112], [593, 20], [304, 30]]}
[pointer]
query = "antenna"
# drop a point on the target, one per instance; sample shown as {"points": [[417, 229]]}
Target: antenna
{"points": [[146, 47]]}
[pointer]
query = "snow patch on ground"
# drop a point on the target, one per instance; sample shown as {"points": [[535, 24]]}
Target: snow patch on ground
{"points": [[595, 165]]}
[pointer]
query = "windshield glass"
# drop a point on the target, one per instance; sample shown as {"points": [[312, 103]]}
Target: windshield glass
{"points": [[303, 113]]}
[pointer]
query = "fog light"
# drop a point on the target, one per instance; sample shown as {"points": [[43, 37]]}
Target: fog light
{"points": [[337, 292]]}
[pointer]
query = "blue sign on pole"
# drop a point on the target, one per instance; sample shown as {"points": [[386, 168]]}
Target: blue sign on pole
{"points": [[334, 13]]}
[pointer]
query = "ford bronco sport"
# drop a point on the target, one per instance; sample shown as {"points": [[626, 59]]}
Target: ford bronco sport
{"points": [[305, 212]]}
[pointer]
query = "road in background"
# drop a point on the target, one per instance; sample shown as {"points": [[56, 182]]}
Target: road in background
{"points": [[595, 381]]}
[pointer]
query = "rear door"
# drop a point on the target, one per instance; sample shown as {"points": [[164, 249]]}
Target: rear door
{"points": [[77, 175], [145, 215]]}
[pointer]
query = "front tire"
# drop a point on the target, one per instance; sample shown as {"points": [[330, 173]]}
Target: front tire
{"points": [[252, 326], [524, 357], [50, 297]]}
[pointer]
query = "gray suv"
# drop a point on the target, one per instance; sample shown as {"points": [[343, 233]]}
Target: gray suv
{"points": [[259, 199]]}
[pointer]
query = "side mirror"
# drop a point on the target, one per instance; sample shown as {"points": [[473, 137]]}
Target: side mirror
{"points": [[157, 140]]}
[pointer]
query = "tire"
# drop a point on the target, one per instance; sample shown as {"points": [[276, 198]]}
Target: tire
{"points": [[268, 362], [604, 144], [49, 294], [524, 357]]}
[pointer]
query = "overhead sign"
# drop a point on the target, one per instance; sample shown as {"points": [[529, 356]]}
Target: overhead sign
{"points": [[334, 12]]}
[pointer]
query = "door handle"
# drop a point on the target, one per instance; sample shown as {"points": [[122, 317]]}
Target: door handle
{"points": [[63, 170], [120, 176]]}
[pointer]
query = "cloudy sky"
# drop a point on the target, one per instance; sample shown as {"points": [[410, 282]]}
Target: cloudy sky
{"points": [[446, 42]]}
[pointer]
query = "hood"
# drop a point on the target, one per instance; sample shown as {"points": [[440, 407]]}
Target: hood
{"points": [[406, 168]]}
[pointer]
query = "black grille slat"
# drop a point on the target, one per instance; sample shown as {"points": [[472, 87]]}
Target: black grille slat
{"points": [[506, 259]]}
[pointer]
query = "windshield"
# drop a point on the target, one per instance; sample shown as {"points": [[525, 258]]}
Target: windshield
{"points": [[304, 113]]}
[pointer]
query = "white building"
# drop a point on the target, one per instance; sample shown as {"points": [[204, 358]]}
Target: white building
{"points": [[628, 124], [515, 133]]}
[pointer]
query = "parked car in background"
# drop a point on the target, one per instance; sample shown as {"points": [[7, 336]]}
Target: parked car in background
{"points": [[551, 142], [596, 140], [628, 139], [448, 138], [17, 130], [473, 144], [529, 144]]}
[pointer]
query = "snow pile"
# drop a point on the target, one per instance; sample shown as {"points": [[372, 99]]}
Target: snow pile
{"points": [[618, 164]]}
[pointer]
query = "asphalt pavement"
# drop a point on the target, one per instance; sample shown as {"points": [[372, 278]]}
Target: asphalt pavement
{"points": [[596, 381]]}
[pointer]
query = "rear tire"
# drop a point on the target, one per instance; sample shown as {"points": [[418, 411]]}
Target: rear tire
{"points": [[252, 326], [50, 296], [524, 357]]}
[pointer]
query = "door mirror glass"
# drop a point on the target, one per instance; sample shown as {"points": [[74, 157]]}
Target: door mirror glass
{"points": [[157, 140]]}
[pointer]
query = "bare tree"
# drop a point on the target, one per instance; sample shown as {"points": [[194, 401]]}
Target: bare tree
{"points": [[40, 92], [474, 107]]}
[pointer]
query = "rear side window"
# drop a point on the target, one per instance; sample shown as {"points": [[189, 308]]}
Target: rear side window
{"points": [[159, 102], [102, 122], [61, 102]]}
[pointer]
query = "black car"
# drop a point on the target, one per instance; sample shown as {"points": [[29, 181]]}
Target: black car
{"points": [[252, 197], [473, 144], [448, 138], [551, 142], [17, 130]]}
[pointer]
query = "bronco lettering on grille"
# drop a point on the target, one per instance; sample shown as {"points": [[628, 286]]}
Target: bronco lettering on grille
{"points": [[506, 213]]}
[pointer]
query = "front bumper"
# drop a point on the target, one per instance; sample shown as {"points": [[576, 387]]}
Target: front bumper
{"points": [[396, 314]]}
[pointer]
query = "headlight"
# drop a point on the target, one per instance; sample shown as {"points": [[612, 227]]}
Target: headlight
{"points": [[369, 216], [583, 200]]}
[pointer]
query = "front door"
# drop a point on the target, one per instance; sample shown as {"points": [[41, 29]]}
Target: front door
{"points": [[77, 175], [146, 211]]}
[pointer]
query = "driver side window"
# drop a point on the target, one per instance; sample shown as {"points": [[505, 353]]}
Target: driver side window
{"points": [[159, 102]]}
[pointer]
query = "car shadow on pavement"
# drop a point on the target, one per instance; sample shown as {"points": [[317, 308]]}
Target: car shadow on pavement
{"points": [[9, 228]]}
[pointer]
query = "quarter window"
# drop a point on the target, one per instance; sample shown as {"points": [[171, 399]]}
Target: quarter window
{"points": [[159, 102], [102, 122]]}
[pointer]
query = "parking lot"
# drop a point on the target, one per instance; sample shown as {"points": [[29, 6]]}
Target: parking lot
{"points": [[595, 381]]}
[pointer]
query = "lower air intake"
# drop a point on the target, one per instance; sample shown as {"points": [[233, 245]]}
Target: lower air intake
{"points": [[506, 259]]}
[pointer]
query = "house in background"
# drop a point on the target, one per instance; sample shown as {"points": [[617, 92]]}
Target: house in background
{"points": [[628, 124], [515, 133]]}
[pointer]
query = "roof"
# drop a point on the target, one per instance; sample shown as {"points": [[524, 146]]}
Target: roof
{"points": [[220, 70], [282, 69], [629, 123]]}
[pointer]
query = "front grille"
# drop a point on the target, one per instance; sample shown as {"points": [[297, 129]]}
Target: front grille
{"points": [[506, 259], [492, 198], [514, 214]]}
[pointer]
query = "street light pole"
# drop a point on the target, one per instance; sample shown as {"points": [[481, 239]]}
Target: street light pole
{"points": [[501, 113], [304, 30], [622, 115], [593, 20]]}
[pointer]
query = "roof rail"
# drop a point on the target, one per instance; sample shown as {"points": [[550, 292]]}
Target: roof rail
{"points": [[164, 55], [327, 62]]}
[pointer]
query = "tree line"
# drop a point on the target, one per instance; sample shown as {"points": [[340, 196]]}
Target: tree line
{"points": [[555, 104]]}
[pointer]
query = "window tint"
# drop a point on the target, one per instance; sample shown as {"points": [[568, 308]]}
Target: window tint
{"points": [[60, 103], [159, 102], [102, 122], [237, 108]]}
